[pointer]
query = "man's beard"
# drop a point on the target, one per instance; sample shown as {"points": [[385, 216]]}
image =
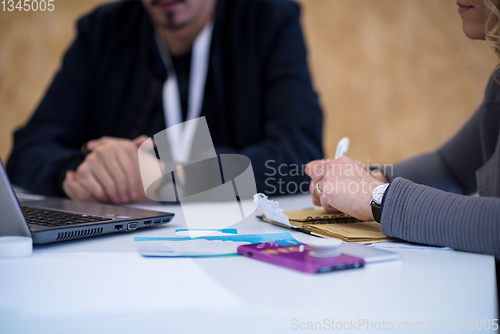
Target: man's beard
{"points": [[155, 2], [170, 18], [171, 24]]}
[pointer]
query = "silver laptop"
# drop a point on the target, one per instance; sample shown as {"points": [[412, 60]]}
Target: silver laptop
{"points": [[56, 219]]}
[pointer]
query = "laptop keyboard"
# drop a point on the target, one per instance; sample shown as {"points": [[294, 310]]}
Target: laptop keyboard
{"points": [[46, 217]]}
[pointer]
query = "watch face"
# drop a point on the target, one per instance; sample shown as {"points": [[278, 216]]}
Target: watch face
{"points": [[378, 193]]}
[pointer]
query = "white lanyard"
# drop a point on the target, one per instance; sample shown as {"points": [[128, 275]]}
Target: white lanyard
{"points": [[181, 137]]}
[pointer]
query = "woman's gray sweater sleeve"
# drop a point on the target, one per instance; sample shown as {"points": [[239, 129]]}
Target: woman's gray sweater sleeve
{"points": [[422, 214], [451, 168]]}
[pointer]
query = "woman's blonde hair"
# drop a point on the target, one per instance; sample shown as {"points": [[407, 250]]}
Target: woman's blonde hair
{"points": [[492, 27]]}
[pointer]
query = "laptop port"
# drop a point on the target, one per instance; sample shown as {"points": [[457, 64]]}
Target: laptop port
{"points": [[148, 222], [166, 220], [132, 226], [118, 227], [157, 221]]}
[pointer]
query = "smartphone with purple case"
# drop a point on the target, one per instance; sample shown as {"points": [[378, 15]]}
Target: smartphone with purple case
{"points": [[298, 257]]}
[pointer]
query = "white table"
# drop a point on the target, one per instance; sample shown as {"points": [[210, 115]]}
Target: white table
{"points": [[102, 285]]}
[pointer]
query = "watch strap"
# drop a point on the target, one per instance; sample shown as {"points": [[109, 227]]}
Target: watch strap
{"points": [[376, 211]]}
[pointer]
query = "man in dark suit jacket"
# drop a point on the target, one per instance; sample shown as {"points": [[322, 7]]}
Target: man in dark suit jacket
{"points": [[107, 97]]}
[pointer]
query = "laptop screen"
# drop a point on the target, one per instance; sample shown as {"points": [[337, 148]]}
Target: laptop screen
{"points": [[12, 222]]}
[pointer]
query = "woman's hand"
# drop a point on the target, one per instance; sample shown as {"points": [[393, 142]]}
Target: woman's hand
{"points": [[344, 184]]}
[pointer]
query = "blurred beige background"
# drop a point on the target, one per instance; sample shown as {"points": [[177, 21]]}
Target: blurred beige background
{"points": [[397, 76]]}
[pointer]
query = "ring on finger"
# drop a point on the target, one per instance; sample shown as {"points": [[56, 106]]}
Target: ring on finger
{"points": [[317, 188]]}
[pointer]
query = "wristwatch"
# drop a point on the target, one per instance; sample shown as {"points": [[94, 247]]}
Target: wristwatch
{"points": [[377, 196]]}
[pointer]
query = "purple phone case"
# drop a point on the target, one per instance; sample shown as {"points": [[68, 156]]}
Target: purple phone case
{"points": [[292, 257]]}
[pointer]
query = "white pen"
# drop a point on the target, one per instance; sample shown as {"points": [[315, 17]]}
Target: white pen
{"points": [[342, 148]]}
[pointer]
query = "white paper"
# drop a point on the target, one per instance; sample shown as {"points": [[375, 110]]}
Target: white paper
{"points": [[271, 209], [195, 247]]}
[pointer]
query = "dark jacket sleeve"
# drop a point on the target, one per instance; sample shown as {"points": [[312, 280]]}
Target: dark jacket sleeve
{"points": [[54, 135], [422, 214], [293, 117]]}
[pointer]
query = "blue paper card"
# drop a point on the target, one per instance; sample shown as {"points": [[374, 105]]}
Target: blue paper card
{"points": [[218, 245], [194, 233]]}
